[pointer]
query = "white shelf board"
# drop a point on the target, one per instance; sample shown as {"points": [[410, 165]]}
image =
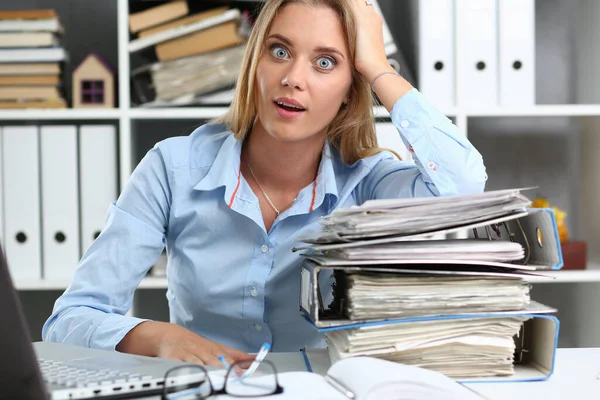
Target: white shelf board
{"points": [[570, 276], [212, 112], [194, 113], [152, 282], [60, 114], [198, 113], [43, 284], [554, 110]]}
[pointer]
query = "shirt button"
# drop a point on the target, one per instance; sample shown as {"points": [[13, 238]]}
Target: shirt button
{"points": [[254, 292], [404, 123], [264, 248], [258, 327], [432, 166]]}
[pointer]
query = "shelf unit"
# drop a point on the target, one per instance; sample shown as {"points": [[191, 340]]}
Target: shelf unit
{"points": [[569, 89], [552, 277]]}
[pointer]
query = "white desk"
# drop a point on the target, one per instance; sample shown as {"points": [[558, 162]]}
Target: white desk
{"points": [[576, 376]]}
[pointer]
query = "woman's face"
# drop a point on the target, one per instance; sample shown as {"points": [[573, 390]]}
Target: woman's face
{"points": [[304, 73]]}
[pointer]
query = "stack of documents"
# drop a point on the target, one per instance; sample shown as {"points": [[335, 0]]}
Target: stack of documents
{"points": [[401, 293], [403, 217], [468, 348], [377, 295], [460, 249]]}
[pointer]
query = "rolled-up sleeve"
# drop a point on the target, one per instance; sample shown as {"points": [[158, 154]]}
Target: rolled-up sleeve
{"points": [[91, 312], [444, 161]]}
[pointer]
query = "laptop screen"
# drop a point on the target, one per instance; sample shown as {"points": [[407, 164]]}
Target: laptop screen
{"points": [[20, 377]]}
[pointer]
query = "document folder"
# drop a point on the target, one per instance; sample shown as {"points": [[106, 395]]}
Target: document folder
{"points": [[535, 345], [535, 353], [534, 228]]}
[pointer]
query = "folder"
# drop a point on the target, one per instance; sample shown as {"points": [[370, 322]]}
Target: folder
{"points": [[60, 201], [535, 345], [20, 166], [516, 52], [436, 63], [476, 53], [388, 137], [98, 178], [535, 229]]}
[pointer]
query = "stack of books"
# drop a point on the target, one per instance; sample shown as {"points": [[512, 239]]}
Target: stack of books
{"points": [[31, 59], [457, 306], [196, 58]]}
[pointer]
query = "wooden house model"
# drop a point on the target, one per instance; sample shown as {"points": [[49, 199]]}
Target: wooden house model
{"points": [[93, 84]]}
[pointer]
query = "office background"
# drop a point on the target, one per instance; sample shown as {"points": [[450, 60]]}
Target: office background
{"points": [[553, 144]]}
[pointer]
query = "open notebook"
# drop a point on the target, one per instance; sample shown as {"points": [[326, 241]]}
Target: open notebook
{"points": [[367, 378]]}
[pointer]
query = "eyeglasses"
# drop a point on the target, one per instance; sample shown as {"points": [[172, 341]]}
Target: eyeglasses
{"points": [[192, 382]]}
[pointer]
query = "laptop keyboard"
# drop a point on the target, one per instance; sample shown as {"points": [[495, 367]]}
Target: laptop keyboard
{"points": [[63, 374]]}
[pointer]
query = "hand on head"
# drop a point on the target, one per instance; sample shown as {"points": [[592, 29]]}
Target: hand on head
{"points": [[370, 58]]}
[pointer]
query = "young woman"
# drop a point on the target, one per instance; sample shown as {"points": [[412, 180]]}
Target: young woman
{"points": [[229, 200]]}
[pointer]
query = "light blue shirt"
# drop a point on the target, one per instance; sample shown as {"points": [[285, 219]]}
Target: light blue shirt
{"points": [[230, 280]]}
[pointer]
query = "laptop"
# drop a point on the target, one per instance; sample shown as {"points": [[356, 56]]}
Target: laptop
{"points": [[55, 371]]}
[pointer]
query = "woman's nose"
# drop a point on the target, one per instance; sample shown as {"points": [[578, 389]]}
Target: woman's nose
{"points": [[295, 76]]}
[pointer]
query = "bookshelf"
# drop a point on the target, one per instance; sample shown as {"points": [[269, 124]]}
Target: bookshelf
{"points": [[567, 113]]}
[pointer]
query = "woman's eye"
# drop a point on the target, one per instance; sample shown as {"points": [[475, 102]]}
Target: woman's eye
{"points": [[279, 52], [326, 62]]}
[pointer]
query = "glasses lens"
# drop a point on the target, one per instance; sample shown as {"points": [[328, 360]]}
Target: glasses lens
{"points": [[261, 382], [187, 383]]}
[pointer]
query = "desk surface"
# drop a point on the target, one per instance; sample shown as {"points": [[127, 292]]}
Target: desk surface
{"points": [[576, 376]]}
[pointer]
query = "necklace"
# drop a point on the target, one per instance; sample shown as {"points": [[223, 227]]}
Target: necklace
{"points": [[263, 191]]}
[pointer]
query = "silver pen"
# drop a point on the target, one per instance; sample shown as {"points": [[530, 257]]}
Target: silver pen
{"points": [[340, 387]]}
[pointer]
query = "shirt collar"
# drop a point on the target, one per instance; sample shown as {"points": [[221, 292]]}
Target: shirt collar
{"points": [[225, 172], [326, 182]]}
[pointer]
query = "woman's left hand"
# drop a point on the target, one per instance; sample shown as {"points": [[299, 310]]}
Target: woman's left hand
{"points": [[370, 58]]}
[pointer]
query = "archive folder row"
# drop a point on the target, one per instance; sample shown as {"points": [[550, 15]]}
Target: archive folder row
{"points": [[477, 53], [56, 184]]}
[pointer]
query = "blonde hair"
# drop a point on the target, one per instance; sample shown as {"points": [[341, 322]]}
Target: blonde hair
{"points": [[352, 131]]}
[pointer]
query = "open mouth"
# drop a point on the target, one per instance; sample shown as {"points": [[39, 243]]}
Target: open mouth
{"points": [[288, 107]]}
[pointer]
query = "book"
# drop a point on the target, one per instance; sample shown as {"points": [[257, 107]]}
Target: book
{"points": [[184, 80], [183, 30], [28, 39], [29, 69], [41, 54], [182, 22], [215, 38], [24, 104], [27, 14], [28, 92], [157, 15], [25, 80], [30, 21], [365, 378]]}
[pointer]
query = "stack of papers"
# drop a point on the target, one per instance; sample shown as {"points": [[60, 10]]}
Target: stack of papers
{"points": [[402, 217], [384, 296], [461, 348], [459, 249], [389, 265]]}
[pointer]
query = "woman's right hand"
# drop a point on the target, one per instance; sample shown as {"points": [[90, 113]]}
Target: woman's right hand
{"points": [[166, 340]]}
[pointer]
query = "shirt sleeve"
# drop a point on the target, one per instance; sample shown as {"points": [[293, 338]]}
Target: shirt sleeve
{"points": [[91, 311], [445, 162]]}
